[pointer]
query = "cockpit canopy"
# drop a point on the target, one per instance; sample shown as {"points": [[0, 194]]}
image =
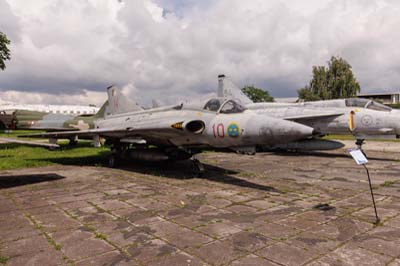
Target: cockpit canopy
{"points": [[366, 103], [224, 106]]}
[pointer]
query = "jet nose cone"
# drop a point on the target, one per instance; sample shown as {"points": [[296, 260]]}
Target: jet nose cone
{"points": [[299, 131], [278, 131]]}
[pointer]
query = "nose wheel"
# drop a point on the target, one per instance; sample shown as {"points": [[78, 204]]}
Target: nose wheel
{"points": [[197, 168], [359, 143]]}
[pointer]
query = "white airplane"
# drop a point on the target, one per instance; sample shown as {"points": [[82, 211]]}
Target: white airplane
{"points": [[73, 110]]}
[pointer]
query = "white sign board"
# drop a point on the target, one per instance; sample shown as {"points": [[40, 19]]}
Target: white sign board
{"points": [[358, 156]]}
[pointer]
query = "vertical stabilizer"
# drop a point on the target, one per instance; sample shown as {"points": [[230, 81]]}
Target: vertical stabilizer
{"points": [[102, 111], [118, 103], [227, 89]]}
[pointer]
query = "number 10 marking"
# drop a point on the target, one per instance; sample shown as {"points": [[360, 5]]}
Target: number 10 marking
{"points": [[219, 130]]}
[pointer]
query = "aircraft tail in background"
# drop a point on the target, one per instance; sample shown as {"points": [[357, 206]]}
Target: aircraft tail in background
{"points": [[118, 103], [227, 89]]}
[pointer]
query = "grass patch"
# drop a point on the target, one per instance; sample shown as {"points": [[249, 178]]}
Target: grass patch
{"points": [[247, 174], [101, 236], [16, 133], [339, 137], [3, 260], [13, 156], [351, 137], [388, 183]]}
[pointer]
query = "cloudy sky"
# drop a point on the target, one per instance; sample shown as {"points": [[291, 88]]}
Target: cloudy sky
{"points": [[68, 51]]}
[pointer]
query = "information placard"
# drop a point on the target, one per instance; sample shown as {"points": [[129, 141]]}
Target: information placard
{"points": [[358, 156]]}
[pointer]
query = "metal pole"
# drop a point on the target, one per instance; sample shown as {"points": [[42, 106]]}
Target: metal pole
{"points": [[372, 195]]}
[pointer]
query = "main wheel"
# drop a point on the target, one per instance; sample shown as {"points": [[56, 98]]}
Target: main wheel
{"points": [[112, 161], [197, 168], [72, 142]]}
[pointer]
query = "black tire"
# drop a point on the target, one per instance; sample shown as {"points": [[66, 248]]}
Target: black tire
{"points": [[197, 168], [112, 161]]}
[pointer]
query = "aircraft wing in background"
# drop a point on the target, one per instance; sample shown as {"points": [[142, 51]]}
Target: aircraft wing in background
{"points": [[160, 131], [311, 116], [27, 142]]}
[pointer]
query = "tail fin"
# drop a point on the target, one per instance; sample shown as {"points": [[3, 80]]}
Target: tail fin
{"points": [[118, 103], [102, 111], [227, 89]]}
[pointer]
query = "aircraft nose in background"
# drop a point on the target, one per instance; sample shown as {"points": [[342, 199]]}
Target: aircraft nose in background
{"points": [[273, 130]]}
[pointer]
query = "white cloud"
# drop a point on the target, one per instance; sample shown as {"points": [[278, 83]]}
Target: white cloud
{"points": [[84, 98], [155, 11], [67, 47]]}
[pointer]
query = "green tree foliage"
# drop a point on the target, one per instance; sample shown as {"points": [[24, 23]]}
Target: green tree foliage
{"points": [[335, 82], [4, 51], [257, 95], [307, 95]]}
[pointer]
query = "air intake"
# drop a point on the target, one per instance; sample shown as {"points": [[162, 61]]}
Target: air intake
{"points": [[196, 126]]}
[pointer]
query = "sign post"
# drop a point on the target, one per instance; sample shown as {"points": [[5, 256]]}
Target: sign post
{"points": [[360, 159]]}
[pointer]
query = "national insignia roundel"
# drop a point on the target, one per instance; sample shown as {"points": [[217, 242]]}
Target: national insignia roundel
{"points": [[233, 130]]}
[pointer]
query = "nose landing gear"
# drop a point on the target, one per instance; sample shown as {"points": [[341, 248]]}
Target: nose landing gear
{"points": [[359, 143]]}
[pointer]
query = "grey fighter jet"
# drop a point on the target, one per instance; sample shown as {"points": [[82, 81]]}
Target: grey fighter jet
{"points": [[179, 132], [360, 117]]}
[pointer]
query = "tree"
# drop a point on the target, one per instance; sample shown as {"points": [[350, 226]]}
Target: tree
{"points": [[4, 51], [257, 95], [307, 95], [335, 82]]}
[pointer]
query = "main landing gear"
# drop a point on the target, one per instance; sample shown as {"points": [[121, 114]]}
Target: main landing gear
{"points": [[143, 154], [111, 161], [73, 141], [197, 167], [116, 155]]}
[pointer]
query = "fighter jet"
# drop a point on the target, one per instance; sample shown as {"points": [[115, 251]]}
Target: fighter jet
{"points": [[23, 119], [180, 132], [360, 117]]}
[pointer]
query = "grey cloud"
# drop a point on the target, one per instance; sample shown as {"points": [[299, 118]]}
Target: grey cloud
{"points": [[70, 46], [9, 23]]}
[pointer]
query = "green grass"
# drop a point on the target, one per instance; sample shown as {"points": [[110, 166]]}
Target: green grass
{"points": [[16, 133], [3, 260], [14, 156], [388, 183], [101, 236], [351, 137], [339, 137]]}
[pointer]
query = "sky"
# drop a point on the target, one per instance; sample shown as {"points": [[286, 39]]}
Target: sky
{"points": [[68, 52]]}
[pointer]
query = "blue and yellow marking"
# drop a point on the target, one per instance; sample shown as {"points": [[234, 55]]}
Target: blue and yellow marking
{"points": [[233, 130]]}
